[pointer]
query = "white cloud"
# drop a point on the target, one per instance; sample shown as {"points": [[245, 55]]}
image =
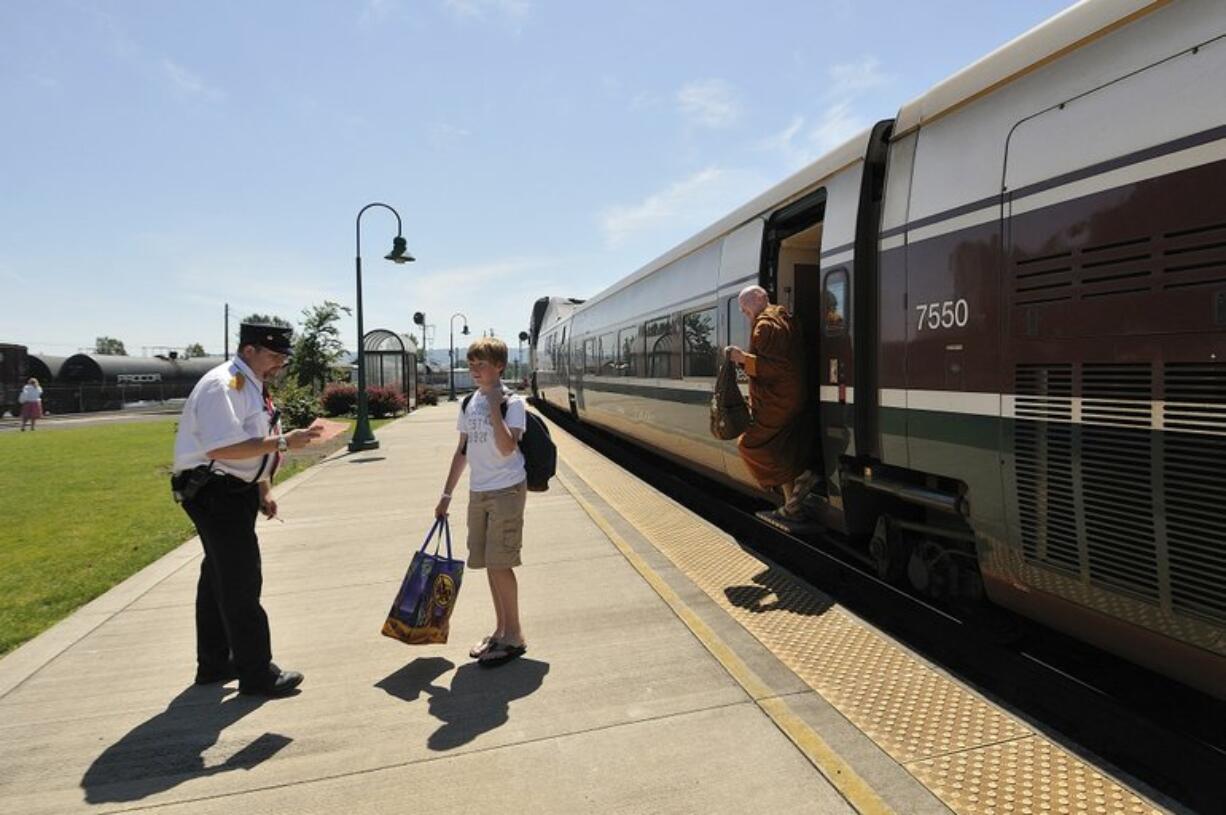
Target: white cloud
{"points": [[189, 84], [443, 135], [783, 139], [483, 9], [682, 208], [378, 9], [837, 124], [851, 78], [709, 102], [806, 139], [803, 142], [8, 274], [644, 100]]}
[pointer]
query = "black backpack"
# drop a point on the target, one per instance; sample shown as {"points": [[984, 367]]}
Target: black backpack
{"points": [[540, 453]]}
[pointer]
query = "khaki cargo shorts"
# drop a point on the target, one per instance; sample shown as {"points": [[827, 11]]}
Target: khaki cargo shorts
{"points": [[496, 527]]}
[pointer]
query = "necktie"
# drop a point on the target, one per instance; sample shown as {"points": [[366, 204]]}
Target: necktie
{"points": [[273, 428]]}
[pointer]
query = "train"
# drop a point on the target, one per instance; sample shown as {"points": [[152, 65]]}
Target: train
{"points": [[92, 382], [1013, 295]]}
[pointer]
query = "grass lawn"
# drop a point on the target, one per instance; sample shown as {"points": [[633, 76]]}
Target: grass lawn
{"points": [[81, 509]]}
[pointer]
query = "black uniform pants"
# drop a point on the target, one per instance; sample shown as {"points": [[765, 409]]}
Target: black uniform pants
{"points": [[230, 622]]}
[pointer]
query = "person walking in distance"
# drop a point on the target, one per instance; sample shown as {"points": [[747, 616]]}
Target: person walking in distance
{"points": [[31, 400], [227, 449]]}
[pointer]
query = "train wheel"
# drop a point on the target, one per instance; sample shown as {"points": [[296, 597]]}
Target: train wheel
{"points": [[889, 550]]}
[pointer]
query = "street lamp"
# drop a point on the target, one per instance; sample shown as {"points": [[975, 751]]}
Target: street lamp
{"points": [[419, 318], [519, 360], [363, 438], [451, 351]]}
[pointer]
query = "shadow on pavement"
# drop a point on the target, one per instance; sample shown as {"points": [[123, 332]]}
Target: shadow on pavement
{"points": [[777, 590], [168, 749], [479, 699]]}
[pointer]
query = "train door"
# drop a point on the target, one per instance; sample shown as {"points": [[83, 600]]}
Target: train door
{"points": [[791, 274]]}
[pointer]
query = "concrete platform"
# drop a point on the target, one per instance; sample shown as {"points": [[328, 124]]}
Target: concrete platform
{"points": [[618, 707], [669, 670]]}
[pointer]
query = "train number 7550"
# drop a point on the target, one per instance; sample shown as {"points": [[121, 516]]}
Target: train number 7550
{"points": [[948, 314]]}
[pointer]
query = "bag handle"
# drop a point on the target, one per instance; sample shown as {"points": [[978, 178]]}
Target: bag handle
{"points": [[445, 524]]}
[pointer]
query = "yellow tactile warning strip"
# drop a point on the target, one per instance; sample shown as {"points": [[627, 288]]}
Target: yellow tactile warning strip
{"points": [[976, 758]]}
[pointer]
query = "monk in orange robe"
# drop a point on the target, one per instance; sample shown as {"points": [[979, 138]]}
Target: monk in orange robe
{"points": [[776, 447]]}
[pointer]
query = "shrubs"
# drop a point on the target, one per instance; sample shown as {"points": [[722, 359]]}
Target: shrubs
{"points": [[385, 401], [427, 396], [298, 403], [339, 399]]}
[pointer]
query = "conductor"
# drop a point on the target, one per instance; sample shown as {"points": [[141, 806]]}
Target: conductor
{"points": [[227, 449]]}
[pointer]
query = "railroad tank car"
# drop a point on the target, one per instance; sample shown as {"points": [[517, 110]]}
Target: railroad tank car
{"points": [[43, 367], [90, 382], [1013, 295]]}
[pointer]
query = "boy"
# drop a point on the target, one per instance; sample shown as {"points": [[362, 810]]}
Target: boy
{"points": [[498, 488]]}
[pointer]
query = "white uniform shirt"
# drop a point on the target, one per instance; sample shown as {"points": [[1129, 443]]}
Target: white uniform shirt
{"points": [[226, 407], [30, 393], [490, 469]]}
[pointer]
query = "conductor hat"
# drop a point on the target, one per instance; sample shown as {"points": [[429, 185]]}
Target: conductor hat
{"points": [[273, 337]]}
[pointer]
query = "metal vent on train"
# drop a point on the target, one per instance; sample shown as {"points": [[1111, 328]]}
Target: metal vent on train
{"points": [[1117, 484], [1104, 496], [1181, 259], [1194, 486], [1194, 257], [1043, 462]]}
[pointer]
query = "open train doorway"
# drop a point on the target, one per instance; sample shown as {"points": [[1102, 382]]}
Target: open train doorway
{"points": [[792, 250]]}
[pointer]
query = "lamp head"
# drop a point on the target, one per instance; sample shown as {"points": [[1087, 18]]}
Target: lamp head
{"points": [[419, 318], [465, 330], [400, 251], [523, 336]]}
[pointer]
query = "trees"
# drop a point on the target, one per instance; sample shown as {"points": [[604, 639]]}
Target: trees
{"points": [[194, 350], [109, 346], [318, 345], [267, 319]]}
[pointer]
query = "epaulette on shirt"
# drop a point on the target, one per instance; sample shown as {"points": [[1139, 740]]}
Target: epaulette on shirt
{"points": [[237, 381]]}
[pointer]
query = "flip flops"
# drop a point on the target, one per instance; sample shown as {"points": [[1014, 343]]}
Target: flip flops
{"points": [[501, 653], [480, 648]]}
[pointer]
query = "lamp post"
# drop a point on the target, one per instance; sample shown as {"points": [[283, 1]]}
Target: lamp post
{"points": [[519, 360], [363, 438], [451, 352]]}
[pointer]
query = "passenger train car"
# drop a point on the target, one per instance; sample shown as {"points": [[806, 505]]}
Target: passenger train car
{"points": [[1014, 300]]}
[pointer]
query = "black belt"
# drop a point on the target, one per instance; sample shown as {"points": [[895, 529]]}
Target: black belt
{"points": [[187, 484]]}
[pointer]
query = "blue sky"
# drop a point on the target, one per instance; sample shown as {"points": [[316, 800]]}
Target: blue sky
{"points": [[162, 157]]}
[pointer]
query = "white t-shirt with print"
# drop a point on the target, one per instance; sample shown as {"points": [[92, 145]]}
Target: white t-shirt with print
{"points": [[490, 469]]}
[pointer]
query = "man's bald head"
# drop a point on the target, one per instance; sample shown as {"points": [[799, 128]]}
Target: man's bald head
{"points": [[752, 300]]}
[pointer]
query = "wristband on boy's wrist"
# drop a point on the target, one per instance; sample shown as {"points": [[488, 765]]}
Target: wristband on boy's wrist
{"points": [[447, 495]]}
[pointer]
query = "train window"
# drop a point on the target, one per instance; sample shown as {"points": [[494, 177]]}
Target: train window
{"points": [[630, 352], [591, 356], [834, 303], [659, 340], [738, 326], [608, 355], [698, 328]]}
